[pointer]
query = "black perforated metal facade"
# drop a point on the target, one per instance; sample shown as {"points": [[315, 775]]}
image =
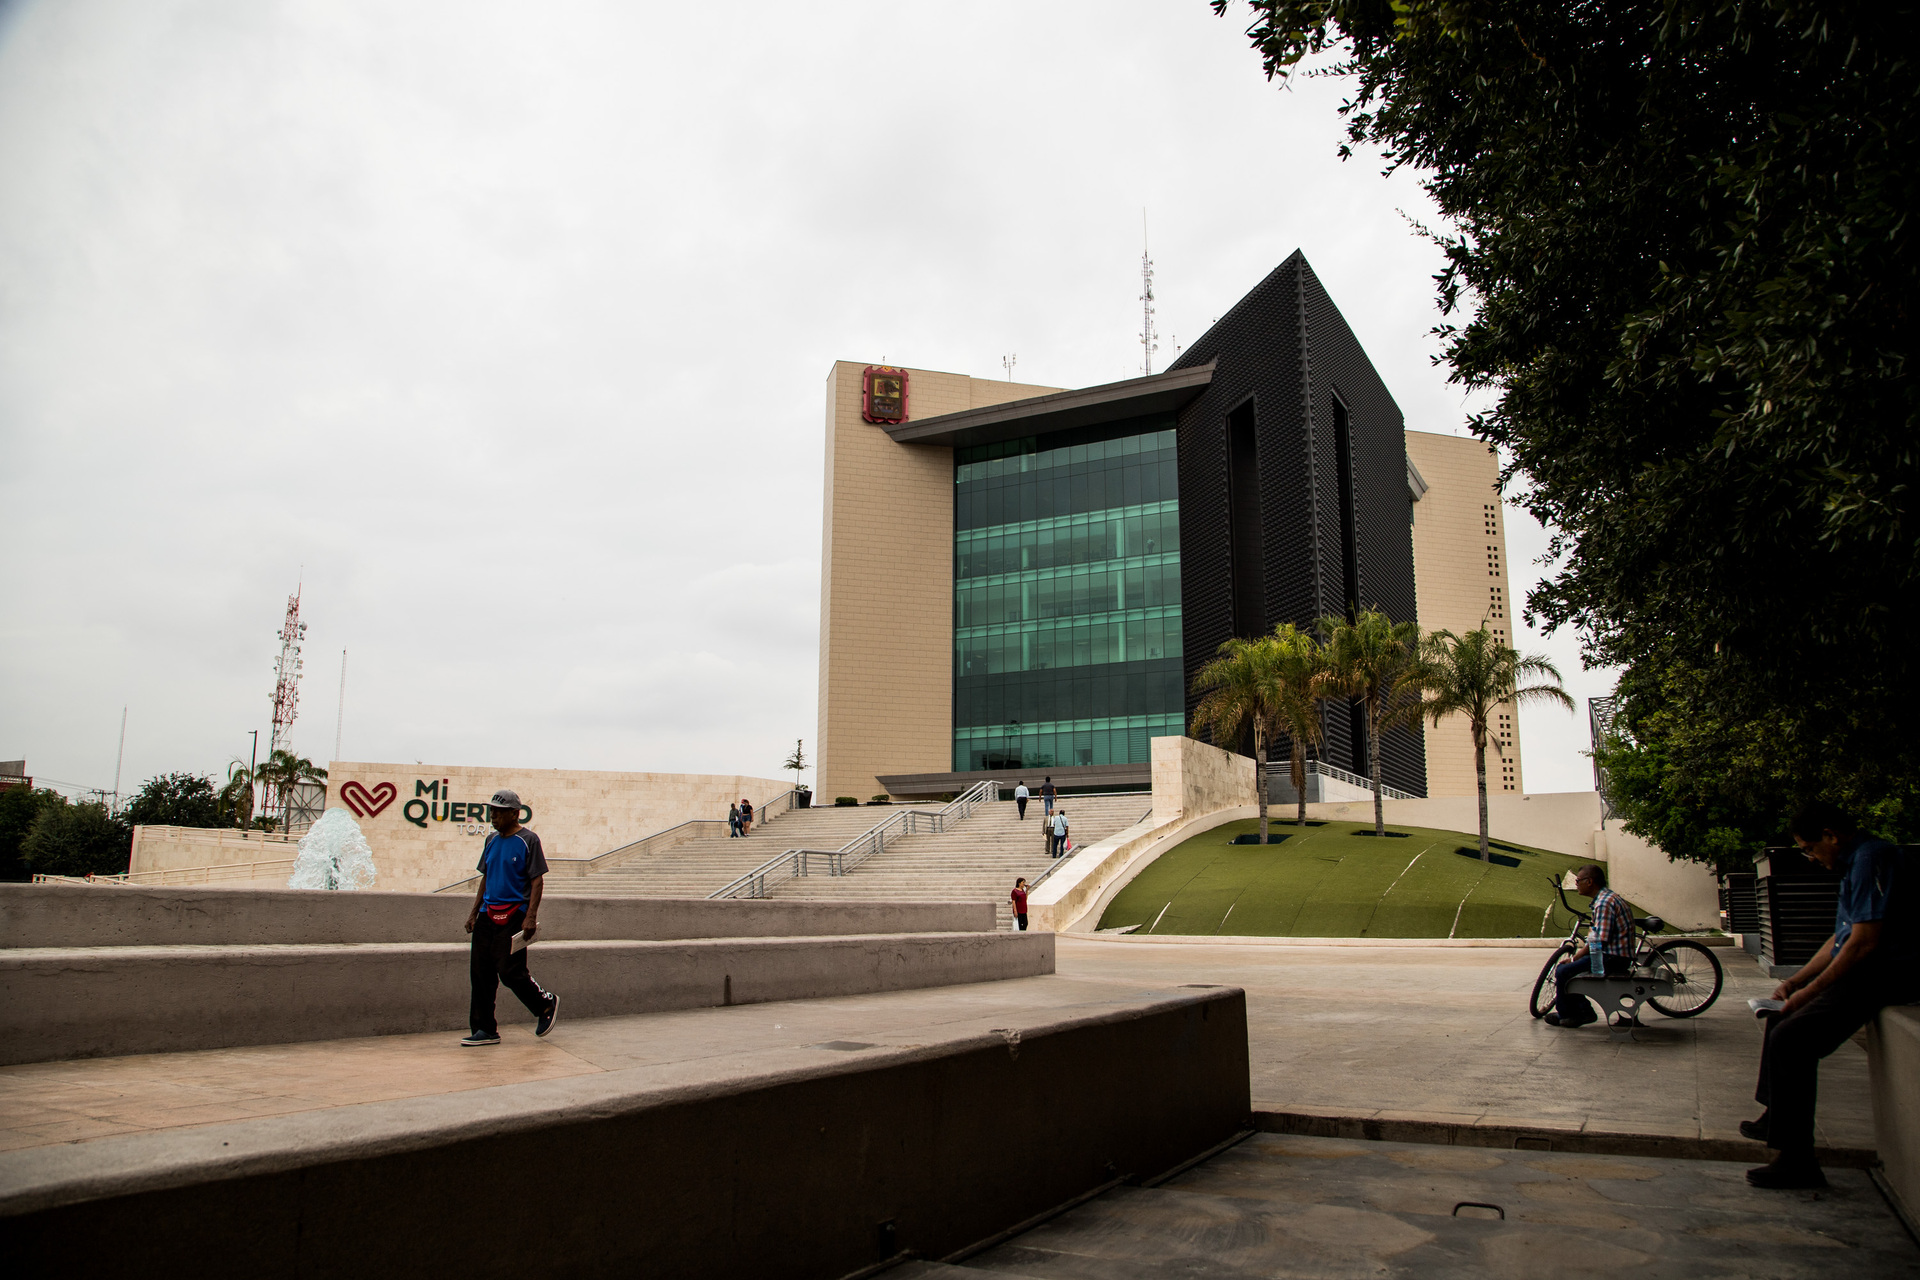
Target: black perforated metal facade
{"points": [[1286, 349]]}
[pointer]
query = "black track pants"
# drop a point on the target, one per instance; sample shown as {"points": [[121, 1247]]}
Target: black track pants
{"points": [[493, 962]]}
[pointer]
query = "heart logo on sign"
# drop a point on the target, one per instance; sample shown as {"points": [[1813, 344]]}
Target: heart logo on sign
{"points": [[365, 803]]}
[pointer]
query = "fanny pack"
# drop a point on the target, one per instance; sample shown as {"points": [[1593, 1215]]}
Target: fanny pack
{"points": [[500, 915]]}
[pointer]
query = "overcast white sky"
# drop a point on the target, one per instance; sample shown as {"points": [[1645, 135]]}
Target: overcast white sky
{"points": [[505, 329]]}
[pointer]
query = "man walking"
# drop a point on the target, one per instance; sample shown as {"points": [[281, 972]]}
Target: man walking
{"points": [[1871, 961], [512, 870], [1057, 835], [1047, 797], [1020, 800]]}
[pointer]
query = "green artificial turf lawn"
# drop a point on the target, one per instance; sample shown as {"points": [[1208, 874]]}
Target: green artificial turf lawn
{"points": [[1328, 882]]}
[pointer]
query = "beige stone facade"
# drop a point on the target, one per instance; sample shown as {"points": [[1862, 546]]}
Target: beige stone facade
{"points": [[1460, 581], [886, 585], [428, 821]]}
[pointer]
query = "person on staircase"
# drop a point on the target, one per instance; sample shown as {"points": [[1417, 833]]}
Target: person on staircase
{"points": [[1047, 796], [746, 816], [1020, 795], [1019, 898], [1057, 834]]}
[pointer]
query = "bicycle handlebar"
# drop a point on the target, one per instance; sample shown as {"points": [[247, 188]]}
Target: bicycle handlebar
{"points": [[1562, 891]]}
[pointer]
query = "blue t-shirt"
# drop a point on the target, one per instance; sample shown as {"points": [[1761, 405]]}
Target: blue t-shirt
{"points": [[510, 864], [1870, 890]]}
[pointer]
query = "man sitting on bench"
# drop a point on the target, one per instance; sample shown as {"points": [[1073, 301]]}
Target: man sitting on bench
{"points": [[1871, 961], [1608, 949]]}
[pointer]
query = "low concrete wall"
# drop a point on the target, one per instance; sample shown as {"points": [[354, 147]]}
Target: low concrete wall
{"points": [[51, 915], [172, 848], [1893, 1065], [809, 1164], [99, 1002], [1685, 894], [1192, 778]]}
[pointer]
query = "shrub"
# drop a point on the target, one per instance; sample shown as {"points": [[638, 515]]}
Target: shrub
{"points": [[880, 800], [77, 840], [844, 802]]}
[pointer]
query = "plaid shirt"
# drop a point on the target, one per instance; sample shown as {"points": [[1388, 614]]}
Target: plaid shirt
{"points": [[1612, 931]]}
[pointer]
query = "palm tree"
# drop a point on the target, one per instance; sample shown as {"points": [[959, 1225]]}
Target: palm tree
{"points": [[282, 772], [1372, 658], [237, 796], [1471, 675], [1300, 664], [1242, 690]]}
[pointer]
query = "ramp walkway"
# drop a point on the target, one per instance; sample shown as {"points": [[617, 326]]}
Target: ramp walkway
{"points": [[976, 860]]}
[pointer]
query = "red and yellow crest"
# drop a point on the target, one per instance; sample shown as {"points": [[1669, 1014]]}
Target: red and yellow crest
{"points": [[883, 394]]}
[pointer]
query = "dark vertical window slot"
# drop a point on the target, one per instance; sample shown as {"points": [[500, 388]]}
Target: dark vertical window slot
{"points": [[1244, 551], [1349, 567]]}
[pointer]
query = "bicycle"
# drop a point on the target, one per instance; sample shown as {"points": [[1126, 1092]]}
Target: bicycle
{"points": [[1681, 961]]}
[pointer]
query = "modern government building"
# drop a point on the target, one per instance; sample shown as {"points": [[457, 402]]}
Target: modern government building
{"points": [[1021, 581]]}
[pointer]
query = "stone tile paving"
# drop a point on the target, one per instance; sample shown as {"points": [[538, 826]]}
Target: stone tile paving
{"points": [[1444, 1033]]}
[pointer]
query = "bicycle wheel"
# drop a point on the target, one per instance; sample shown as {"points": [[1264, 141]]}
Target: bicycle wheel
{"points": [[1696, 975], [1543, 988]]}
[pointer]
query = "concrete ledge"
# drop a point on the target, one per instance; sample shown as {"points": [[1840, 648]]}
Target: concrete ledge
{"points": [[1538, 1135], [47, 915], [1893, 1066], [58, 1003], [806, 1162]]}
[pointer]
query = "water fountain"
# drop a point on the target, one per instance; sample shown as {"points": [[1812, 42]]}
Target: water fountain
{"points": [[333, 855]]}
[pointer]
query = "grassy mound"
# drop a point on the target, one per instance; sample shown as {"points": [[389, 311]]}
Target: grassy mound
{"points": [[1328, 881]]}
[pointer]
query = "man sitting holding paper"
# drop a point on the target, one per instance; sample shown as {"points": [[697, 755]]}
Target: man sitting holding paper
{"points": [[1869, 962]]}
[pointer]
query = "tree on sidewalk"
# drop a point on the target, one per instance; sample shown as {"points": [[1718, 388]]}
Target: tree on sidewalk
{"points": [[174, 800], [1471, 676], [1375, 660]]}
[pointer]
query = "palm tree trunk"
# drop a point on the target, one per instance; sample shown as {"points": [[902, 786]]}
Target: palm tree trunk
{"points": [[1373, 754], [1260, 780], [1480, 772], [1299, 771]]}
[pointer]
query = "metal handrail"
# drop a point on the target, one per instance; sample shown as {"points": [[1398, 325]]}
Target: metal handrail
{"points": [[1339, 775], [863, 846], [586, 866]]}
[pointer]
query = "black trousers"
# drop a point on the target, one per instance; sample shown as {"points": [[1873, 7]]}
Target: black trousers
{"points": [[1021, 916], [493, 961], [1020, 803], [1573, 1007], [1793, 1045]]}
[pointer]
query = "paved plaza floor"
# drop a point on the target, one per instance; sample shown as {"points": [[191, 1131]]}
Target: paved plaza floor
{"points": [[1426, 1032], [1443, 1033]]}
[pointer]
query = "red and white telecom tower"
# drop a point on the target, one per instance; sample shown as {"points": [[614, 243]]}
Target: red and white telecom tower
{"points": [[286, 692]]}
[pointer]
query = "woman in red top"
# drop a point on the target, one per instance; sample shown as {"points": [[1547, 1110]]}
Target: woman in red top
{"points": [[1019, 896]]}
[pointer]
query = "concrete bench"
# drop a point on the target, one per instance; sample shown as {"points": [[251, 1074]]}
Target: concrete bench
{"points": [[1620, 998], [1893, 1065]]}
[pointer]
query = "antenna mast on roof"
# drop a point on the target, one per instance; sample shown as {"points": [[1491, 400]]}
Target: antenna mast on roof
{"points": [[1007, 363], [1149, 340]]}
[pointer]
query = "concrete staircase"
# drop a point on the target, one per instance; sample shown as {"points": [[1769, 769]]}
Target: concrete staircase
{"points": [[977, 860], [697, 866]]}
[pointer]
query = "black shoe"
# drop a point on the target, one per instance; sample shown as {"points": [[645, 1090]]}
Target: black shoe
{"points": [[1790, 1171], [1755, 1129], [545, 1024], [481, 1037], [1551, 1019], [1555, 1020]]}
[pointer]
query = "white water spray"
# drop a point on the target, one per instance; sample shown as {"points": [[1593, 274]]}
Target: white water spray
{"points": [[333, 855]]}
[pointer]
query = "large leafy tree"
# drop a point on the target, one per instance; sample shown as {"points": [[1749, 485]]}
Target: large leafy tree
{"points": [[1470, 676], [19, 806], [1300, 665], [1374, 660], [1679, 246], [175, 800], [77, 840]]}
